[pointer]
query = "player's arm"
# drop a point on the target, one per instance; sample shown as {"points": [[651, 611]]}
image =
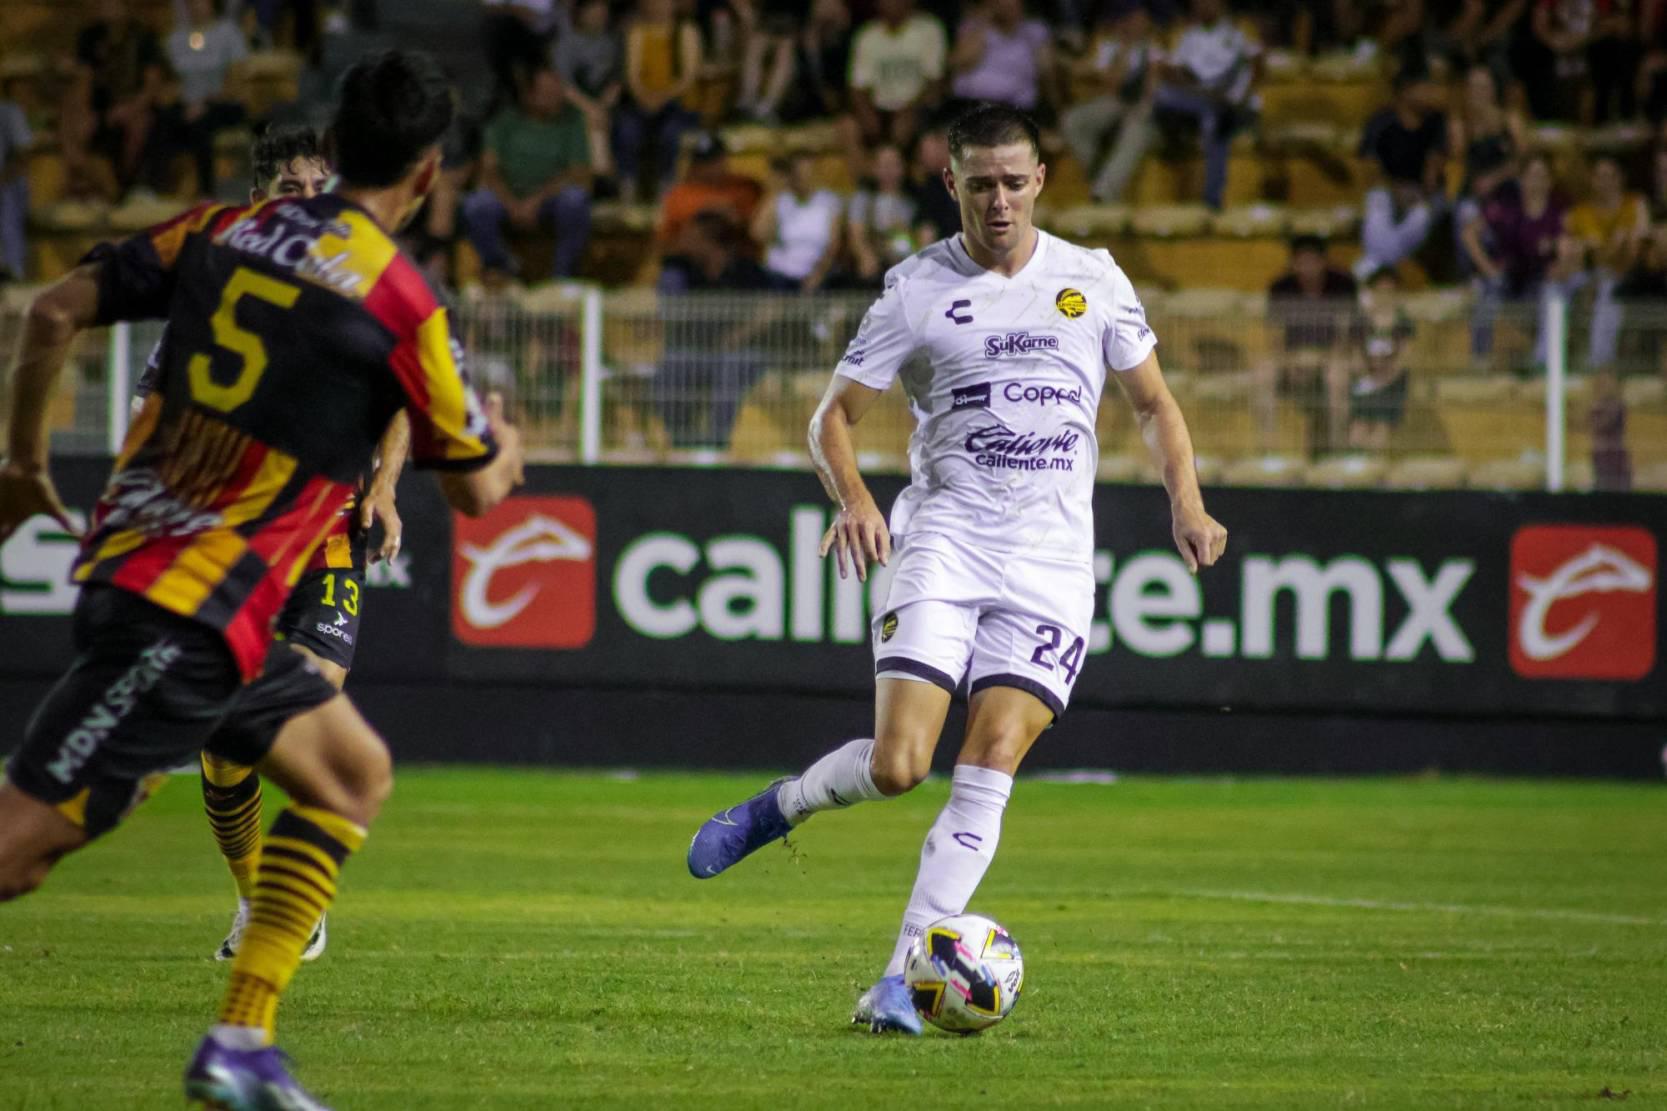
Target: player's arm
{"points": [[858, 536], [391, 453], [1200, 538], [54, 318], [474, 492]]}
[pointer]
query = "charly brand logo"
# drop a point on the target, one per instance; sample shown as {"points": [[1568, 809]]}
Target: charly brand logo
{"points": [[996, 445], [1583, 602], [954, 312], [1018, 343], [970, 397], [524, 575], [1071, 302]]}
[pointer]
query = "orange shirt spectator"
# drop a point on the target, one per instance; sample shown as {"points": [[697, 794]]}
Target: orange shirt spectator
{"points": [[708, 184]]}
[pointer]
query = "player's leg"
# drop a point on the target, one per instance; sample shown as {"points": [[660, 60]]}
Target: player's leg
{"points": [[1020, 677], [321, 622], [146, 687], [307, 738], [920, 647]]}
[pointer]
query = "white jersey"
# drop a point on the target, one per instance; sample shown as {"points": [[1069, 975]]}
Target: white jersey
{"points": [[1003, 454]]}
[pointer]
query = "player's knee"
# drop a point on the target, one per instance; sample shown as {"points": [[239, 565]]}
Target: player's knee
{"points": [[1001, 746], [898, 772], [19, 878], [372, 781]]}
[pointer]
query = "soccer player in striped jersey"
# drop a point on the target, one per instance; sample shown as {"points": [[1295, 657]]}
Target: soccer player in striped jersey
{"points": [[296, 329], [321, 618]]}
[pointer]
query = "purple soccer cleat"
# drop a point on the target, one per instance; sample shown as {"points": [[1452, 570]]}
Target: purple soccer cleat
{"points": [[729, 835], [223, 1079]]}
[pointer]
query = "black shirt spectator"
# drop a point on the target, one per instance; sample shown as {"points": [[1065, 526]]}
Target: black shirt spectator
{"points": [[1311, 313], [1403, 141]]}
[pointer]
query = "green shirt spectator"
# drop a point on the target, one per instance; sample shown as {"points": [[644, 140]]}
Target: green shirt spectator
{"points": [[531, 150]]}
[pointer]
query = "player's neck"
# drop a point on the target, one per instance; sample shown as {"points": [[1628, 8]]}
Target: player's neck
{"points": [[388, 207], [1005, 263]]}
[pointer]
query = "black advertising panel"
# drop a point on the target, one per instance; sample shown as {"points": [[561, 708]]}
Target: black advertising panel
{"points": [[1446, 603]]}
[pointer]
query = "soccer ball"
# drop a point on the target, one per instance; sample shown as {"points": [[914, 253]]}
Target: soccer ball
{"points": [[964, 973]]}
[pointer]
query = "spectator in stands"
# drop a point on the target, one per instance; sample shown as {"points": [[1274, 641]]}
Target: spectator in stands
{"points": [[110, 108], [1406, 144], [880, 226], [767, 31], [1003, 57], [1478, 33], [1658, 185], [1590, 53], [807, 70], [205, 50], [1490, 137], [15, 140], [708, 185], [1210, 80], [1517, 245], [534, 171], [1609, 229], [710, 362], [662, 62], [516, 35], [1378, 396], [1652, 67], [798, 225], [591, 61], [940, 213], [1309, 310], [1125, 58], [1606, 423], [897, 70]]}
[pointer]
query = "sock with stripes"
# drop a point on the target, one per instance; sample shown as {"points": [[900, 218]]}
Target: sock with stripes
{"points": [[231, 797], [296, 883]]}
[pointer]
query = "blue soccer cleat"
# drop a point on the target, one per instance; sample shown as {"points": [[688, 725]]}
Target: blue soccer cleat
{"points": [[731, 834], [887, 1008], [220, 1078]]}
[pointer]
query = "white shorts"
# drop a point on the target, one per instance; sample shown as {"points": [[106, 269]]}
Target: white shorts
{"points": [[990, 618]]}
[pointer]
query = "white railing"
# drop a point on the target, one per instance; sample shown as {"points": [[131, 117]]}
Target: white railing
{"points": [[1496, 395]]}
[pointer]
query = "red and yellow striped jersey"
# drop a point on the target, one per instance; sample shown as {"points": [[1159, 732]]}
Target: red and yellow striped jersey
{"points": [[296, 330]]}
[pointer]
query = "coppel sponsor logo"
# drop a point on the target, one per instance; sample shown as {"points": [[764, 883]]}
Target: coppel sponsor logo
{"points": [[1018, 343], [668, 585], [1025, 393]]}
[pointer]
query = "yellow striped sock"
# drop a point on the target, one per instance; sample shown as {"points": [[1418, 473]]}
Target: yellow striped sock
{"points": [[296, 883], [232, 800]]}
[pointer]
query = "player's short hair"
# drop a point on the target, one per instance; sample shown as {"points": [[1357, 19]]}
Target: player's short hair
{"points": [[390, 108], [277, 146], [992, 125], [1308, 242]]}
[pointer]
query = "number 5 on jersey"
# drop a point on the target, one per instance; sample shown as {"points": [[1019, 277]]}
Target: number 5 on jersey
{"points": [[232, 337]]}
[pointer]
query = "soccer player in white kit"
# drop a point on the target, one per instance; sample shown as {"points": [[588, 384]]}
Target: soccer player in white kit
{"points": [[992, 542]]}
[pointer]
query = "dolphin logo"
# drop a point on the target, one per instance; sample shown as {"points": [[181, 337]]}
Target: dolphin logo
{"points": [[538, 539], [1600, 569]]}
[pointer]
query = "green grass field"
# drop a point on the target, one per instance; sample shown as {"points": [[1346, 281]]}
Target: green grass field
{"points": [[530, 940]]}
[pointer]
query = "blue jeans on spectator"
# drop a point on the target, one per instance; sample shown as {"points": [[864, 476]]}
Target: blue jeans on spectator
{"points": [[567, 214], [635, 130], [1216, 124], [14, 209], [1492, 293], [1386, 239]]}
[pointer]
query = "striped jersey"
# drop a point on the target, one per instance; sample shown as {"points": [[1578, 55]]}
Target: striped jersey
{"points": [[296, 329]]}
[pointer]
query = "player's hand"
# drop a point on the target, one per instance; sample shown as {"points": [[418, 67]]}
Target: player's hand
{"points": [[25, 490], [379, 506], [508, 436], [858, 538], [1200, 538]]}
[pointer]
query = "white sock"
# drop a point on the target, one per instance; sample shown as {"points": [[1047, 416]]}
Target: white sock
{"points": [[238, 1037], [958, 851], [842, 778]]}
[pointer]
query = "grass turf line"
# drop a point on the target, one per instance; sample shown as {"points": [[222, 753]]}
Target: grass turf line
{"points": [[521, 939]]}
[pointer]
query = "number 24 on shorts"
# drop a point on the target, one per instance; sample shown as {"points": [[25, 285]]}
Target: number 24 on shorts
{"points": [[1052, 636]]}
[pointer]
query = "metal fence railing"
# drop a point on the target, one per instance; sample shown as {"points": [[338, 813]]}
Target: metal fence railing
{"points": [[1432, 390]]}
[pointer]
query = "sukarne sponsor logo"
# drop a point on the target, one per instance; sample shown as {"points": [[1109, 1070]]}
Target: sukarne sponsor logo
{"points": [[1018, 343]]}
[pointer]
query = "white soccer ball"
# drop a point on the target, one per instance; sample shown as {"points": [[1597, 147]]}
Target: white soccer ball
{"points": [[964, 973]]}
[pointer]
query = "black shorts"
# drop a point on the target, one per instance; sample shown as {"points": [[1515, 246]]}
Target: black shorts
{"points": [[146, 691], [1370, 403], [322, 614]]}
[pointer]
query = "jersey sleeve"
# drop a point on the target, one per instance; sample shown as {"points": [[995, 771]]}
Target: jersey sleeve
{"points": [[1128, 339], [448, 424], [136, 276], [151, 376], [883, 343]]}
